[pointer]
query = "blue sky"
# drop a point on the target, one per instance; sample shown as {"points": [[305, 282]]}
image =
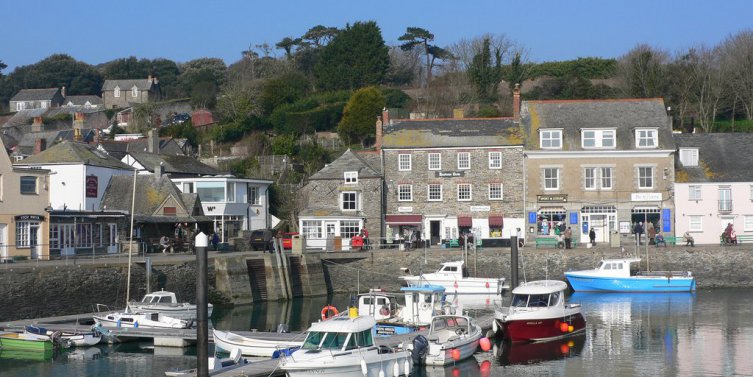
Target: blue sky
{"points": [[181, 30]]}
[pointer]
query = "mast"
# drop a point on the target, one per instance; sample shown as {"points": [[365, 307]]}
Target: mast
{"points": [[130, 240]]}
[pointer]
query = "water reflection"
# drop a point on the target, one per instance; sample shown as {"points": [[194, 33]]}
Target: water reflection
{"points": [[468, 367], [508, 353]]}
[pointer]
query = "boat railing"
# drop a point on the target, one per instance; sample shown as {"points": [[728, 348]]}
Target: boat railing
{"points": [[665, 273]]}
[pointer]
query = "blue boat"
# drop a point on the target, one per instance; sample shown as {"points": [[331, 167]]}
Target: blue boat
{"points": [[624, 275]]}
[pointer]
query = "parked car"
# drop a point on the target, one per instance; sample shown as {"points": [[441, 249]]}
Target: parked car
{"points": [[262, 239], [287, 240]]}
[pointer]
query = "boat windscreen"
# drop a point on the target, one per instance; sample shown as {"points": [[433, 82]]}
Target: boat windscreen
{"points": [[313, 339]]}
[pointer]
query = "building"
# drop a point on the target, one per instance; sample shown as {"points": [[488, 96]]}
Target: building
{"points": [[341, 199], [601, 164], [27, 99], [713, 185], [84, 101], [117, 94], [447, 177]]}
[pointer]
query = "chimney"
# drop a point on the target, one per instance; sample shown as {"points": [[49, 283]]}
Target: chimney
{"points": [[149, 78], [77, 134], [158, 169], [62, 92], [37, 125], [516, 103], [380, 128], [40, 145], [153, 141]]}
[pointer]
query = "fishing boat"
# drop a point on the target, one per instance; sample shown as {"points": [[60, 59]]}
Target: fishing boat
{"points": [[456, 280], [144, 320], [409, 310], [12, 341], [166, 302], [256, 343], [344, 346], [538, 312], [451, 338], [624, 275]]}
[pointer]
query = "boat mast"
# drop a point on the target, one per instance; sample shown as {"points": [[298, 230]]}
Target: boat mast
{"points": [[130, 243]]}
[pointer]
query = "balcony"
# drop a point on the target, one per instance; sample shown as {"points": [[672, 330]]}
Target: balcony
{"points": [[725, 206]]}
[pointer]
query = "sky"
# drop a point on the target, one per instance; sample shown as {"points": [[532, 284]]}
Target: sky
{"points": [[181, 30]]}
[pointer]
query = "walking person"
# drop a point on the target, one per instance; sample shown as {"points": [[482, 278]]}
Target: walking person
{"points": [[651, 232], [638, 231], [592, 237], [215, 240], [568, 237]]}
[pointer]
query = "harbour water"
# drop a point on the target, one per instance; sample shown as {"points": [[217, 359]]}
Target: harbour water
{"points": [[708, 333]]}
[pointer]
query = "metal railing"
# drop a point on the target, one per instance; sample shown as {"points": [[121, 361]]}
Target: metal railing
{"points": [[725, 205]]}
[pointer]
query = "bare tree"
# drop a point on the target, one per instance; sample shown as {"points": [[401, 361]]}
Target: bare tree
{"points": [[708, 76], [736, 54], [642, 71], [465, 49]]}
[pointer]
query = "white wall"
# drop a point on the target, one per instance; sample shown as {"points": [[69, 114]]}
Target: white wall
{"points": [[713, 222]]}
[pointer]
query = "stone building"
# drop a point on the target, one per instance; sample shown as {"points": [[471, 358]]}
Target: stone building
{"points": [[117, 94], [27, 99]]}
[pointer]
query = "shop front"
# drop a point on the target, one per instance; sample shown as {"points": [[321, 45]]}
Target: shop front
{"points": [[601, 218], [404, 228]]}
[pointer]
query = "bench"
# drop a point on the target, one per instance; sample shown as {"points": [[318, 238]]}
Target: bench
{"points": [[671, 240], [741, 238], [454, 243]]}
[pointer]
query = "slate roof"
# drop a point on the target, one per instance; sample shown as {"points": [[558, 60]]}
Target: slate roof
{"points": [[35, 94], [81, 100], [722, 157], [119, 149], [469, 132], [624, 115], [73, 153], [141, 84], [348, 161], [176, 165]]}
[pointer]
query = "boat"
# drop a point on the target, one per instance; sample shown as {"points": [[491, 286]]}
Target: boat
{"points": [[344, 346], [538, 312], [166, 302], [143, 320], [13, 341], [256, 343], [68, 339], [454, 277], [215, 365], [26, 355], [409, 310], [451, 338], [624, 275]]}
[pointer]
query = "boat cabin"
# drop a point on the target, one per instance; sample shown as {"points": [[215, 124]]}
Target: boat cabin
{"points": [[539, 294], [446, 327], [161, 297], [379, 304], [340, 334], [413, 305], [456, 268], [618, 267]]}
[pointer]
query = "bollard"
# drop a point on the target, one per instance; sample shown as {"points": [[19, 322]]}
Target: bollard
{"points": [[202, 331], [513, 262]]}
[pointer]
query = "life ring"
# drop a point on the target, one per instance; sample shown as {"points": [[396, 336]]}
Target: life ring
{"points": [[327, 310], [384, 310]]}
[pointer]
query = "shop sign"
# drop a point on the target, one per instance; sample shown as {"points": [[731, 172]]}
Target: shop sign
{"points": [[91, 186], [645, 197], [449, 174], [29, 218], [558, 198], [625, 227], [481, 208], [404, 209]]}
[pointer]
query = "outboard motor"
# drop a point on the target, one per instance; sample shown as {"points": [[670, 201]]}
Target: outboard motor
{"points": [[420, 348]]}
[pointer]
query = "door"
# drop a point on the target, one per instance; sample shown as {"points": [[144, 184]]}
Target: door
{"points": [[3, 243], [599, 225], [112, 238], [434, 227], [329, 229], [33, 241]]}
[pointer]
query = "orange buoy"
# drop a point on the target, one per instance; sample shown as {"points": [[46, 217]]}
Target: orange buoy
{"points": [[455, 354], [487, 284], [563, 326], [571, 344], [570, 328], [329, 311], [485, 344], [564, 349]]}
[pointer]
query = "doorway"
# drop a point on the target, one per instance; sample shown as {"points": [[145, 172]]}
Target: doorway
{"points": [[434, 227], [33, 241], [3, 243]]}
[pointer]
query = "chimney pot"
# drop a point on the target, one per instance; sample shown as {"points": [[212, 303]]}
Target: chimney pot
{"points": [[516, 103]]}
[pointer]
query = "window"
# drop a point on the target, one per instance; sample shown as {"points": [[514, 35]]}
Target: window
{"points": [[20, 106], [597, 178], [551, 139], [464, 192], [28, 185], [694, 192], [311, 228], [404, 162], [349, 228], [253, 195], [435, 161], [725, 199], [598, 139], [464, 160], [434, 192], [590, 178], [116, 92], [606, 178], [495, 160], [551, 179], [645, 177], [351, 177], [44, 104], [405, 193], [230, 192], [689, 156], [495, 191], [169, 211], [22, 234], [211, 191], [748, 223], [646, 138], [188, 187], [134, 92], [350, 201], [695, 223]]}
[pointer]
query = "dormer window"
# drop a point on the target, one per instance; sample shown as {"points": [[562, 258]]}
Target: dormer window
{"points": [[551, 139], [351, 177], [116, 92], [689, 156], [646, 138], [134, 92], [598, 139]]}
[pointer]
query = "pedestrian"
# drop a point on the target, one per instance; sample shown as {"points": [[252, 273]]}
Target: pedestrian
{"points": [[689, 241], [651, 233], [215, 240], [545, 227], [568, 237], [164, 243], [592, 237], [638, 230], [365, 235], [521, 239]]}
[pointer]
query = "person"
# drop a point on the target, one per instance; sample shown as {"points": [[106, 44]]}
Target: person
{"points": [[164, 243], [659, 240], [521, 239], [651, 233], [545, 227], [689, 241], [726, 234], [638, 230], [471, 242], [592, 237], [365, 235], [568, 237], [732, 236], [215, 240]]}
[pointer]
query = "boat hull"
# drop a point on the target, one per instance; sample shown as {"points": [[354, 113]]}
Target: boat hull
{"points": [[184, 312], [21, 342], [586, 283], [349, 365], [541, 329], [443, 356], [251, 346], [467, 286]]}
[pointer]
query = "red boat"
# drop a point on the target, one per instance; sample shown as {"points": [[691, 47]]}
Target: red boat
{"points": [[538, 312]]}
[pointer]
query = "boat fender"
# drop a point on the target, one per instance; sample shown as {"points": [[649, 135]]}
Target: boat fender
{"points": [[364, 368], [420, 348], [406, 367], [136, 324], [327, 310], [381, 373], [396, 369]]}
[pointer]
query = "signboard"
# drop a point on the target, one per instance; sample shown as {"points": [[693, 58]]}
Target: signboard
{"points": [[625, 227], [645, 197], [557, 198], [449, 174], [573, 217], [666, 220], [404, 209], [532, 217], [481, 208], [29, 218], [91, 186]]}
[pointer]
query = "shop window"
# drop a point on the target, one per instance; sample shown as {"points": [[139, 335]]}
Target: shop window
{"points": [[435, 161], [22, 234], [311, 228], [349, 228]]}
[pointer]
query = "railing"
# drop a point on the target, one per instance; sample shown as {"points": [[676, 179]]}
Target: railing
{"points": [[725, 205]]}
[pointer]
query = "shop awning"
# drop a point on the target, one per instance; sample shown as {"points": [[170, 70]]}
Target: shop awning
{"points": [[465, 221], [403, 219], [496, 221]]}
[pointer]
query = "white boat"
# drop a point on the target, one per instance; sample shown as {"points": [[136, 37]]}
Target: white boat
{"points": [[538, 312], [256, 344], [344, 347], [215, 365], [451, 338], [404, 312], [623, 275], [456, 280], [165, 302], [144, 320], [81, 339]]}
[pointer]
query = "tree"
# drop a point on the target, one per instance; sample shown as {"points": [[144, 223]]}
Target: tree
{"points": [[484, 74], [202, 78], [360, 115], [237, 102], [355, 58], [320, 35], [518, 72], [416, 36], [736, 54], [287, 44], [642, 71], [287, 88], [2, 67]]}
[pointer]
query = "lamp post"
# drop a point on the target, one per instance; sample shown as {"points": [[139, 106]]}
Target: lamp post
{"points": [[202, 331]]}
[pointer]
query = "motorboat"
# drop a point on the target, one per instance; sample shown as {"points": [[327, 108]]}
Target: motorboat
{"points": [[166, 302], [451, 338], [263, 344], [624, 275], [538, 312], [143, 320], [215, 365], [66, 338], [28, 342], [409, 310], [344, 346], [456, 280]]}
